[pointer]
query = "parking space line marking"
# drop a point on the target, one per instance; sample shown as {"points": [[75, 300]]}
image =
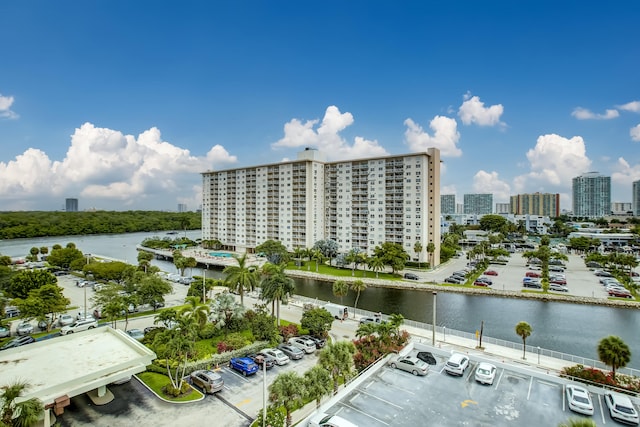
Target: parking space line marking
{"points": [[500, 378], [547, 383], [601, 409], [564, 401], [381, 399], [362, 412], [530, 385], [231, 371], [235, 408]]}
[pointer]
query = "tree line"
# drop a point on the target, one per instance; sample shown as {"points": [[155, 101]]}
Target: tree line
{"points": [[14, 225]]}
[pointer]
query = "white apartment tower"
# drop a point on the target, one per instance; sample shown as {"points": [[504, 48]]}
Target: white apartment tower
{"points": [[358, 203]]}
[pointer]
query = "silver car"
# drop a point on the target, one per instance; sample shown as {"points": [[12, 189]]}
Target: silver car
{"points": [[292, 351], [278, 356], [410, 364], [25, 328]]}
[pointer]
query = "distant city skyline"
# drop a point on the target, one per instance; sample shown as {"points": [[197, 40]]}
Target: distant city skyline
{"points": [[130, 120]]}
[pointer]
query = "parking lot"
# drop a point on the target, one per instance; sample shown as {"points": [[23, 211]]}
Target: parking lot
{"points": [[519, 396]]}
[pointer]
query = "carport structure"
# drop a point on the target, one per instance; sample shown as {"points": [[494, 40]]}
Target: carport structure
{"points": [[63, 367]]}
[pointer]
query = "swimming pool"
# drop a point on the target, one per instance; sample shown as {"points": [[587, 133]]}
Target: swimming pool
{"points": [[220, 254]]}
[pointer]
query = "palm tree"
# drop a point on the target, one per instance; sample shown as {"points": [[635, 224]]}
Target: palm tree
{"points": [[195, 310], [298, 253], [337, 358], [317, 383], [276, 286], [417, 248], [431, 247], [317, 255], [340, 289], [523, 329], [287, 390], [376, 264], [241, 276], [614, 352], [357, 286], [24, 413]]}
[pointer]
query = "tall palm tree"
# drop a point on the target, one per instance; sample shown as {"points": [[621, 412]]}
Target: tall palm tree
{"points": [[318, 257], [614, 352], [287, 390], [337, 358], [357, 286], [24, 413], [417, 248], [195, 310], [375, 264], [340, 289], [276, 286], [317, 383], [431, 248], [523, 329], [241, 277]]}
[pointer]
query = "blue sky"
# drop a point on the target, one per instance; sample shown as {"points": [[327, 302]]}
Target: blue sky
{"points": [[122, 104]]}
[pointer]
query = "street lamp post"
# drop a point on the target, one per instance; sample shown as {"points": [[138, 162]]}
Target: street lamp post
{"points": [[433, 337], [264, 393], [538, 355]]}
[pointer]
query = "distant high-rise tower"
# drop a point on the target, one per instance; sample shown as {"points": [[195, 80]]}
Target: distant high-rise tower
{"points": [[542, 204], [635, 204], [502, 208], [71, 205], [182, 207], [448, 204], [591, 195], [478, 204]]}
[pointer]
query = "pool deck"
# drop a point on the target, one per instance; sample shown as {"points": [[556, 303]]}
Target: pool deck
{"points": [[204, 257]]}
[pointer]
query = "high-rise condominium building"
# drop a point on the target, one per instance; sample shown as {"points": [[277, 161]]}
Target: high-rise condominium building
{"points": [[621, 208], [591, 195], [448, 204], [541, 204], [479, 204], [502, 208], [357, 203], [182, 207], [635, 204], [71, 205]]}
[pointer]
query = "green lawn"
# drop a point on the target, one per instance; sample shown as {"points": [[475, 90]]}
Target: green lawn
{"points": [[341, 272], [156, 381]]}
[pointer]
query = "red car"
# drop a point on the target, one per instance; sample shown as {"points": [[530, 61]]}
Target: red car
{"points": [[558, 281], [481, 283], [621, 293], [532, 274], [491, 273]]}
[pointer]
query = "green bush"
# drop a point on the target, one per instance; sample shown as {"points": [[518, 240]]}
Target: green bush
{"points": [[208, 331], [170, 390], [594, 375]]}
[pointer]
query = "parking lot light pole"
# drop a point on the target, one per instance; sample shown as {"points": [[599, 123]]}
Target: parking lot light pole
{"points": [[433, 338], [264, 393], [538, 355]]}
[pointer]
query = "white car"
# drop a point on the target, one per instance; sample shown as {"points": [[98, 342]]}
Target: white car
{"points": [[326, 420], [621, 408], [485, 373], [79, 325], [65, 319], [579, 400], [410, 364], [279, 357], [457, 364], [304, 344]]}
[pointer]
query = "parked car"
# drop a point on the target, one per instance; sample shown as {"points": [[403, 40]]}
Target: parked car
{"points": [[454, 279], [5, 332], [558, 268], [457, 364], [532, 274], [319, 342], [529, 282], [263, 361], [10, 312], [491, 273], [293, 352], [210, 382], [553, 286], [306, 345], [376, 320], [621, 408], [481, 283], [486, 280], [427, 357], [410, 364], [324, 419], [136, 334], [79, 326], [152, 328], [602, 273], [18, 341], [485, 373], [620, 293], [244, 365], [578, 399], [558, 280], [279, 356], [65, 319], [24, 328], [411, 276]]}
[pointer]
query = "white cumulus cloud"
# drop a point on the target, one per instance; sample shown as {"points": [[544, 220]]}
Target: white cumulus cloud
{"points": [[633, 106], [489, 182], [554, 160], [325, 136], [445, 136], [625, 174], [585, 114], [102, 163], [473, 111], [5, 107], [635, 133]]}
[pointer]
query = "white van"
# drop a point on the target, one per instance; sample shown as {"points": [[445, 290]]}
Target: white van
{"points": [[79, 325], [338, 311]]}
